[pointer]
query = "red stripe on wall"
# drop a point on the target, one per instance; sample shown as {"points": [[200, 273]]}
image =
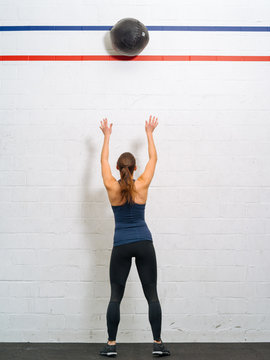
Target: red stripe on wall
{"points": [[130, 58]]}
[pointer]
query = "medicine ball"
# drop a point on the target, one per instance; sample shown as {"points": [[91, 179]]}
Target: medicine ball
{"points": [[129, 36]]}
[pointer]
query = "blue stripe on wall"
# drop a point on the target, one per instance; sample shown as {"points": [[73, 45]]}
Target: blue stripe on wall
{"points": [[151, 28]]}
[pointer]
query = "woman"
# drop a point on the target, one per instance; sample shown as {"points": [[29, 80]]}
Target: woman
{"points": [[132, 237]]}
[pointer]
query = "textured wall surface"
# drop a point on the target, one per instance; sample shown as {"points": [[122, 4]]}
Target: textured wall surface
{"points": [[208, 206]]}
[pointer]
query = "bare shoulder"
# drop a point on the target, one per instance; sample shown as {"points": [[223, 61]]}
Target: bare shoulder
{"points": [[114, 193], [142, 191], [140, 184]]}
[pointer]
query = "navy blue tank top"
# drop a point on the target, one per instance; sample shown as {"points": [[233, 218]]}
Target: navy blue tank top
{"points": [[130, 225]]}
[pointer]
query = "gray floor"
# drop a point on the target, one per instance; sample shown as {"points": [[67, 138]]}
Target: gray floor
{"points": [[137, 351]]}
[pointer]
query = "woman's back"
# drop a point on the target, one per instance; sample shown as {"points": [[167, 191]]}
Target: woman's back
{"points": [[130, 225], [140, 198], [141, 185]]}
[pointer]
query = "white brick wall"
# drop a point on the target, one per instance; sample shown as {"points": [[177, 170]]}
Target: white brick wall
{"points": [[209, 203]]}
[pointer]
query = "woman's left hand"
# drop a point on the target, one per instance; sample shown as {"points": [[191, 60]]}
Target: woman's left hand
{"points": [[104, 127]]}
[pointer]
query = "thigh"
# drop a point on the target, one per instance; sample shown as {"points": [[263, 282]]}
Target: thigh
{"points": [[146, 263], [120, 264]]}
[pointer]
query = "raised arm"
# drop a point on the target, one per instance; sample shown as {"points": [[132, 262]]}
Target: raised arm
{"points": [[149, 171], [108, 179]]}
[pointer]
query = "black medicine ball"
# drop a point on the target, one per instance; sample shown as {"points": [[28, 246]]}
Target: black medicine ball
{"points": [[129, 36]]}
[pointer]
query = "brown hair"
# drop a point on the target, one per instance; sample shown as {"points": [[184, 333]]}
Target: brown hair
{"points": [[126, 164]]}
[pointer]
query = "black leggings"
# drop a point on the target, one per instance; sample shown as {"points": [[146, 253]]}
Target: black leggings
{"points": [[120, 263]]}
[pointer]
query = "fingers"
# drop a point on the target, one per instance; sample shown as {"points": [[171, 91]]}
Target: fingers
{"points": [[153, 121], [104, 122]]}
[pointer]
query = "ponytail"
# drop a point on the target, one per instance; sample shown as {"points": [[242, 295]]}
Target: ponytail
{"points": [[126, 182]]}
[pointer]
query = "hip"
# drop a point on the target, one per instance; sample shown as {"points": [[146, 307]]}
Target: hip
{"points": [[137, 248], [132, 241]]}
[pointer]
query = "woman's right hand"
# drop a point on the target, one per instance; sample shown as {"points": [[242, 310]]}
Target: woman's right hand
{"points": [[150, 127]]}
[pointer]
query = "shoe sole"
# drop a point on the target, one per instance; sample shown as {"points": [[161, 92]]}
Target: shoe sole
{"points": [[111, 354], [160, 353]]}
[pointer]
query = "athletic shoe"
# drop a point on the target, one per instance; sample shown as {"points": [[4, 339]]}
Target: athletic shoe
{"points": [[108, 350], [160, 350]]}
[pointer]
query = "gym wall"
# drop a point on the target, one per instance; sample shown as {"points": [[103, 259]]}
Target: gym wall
{"points": [[208, 205]]}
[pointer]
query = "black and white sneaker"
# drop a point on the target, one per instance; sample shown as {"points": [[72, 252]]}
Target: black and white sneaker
{"points": [[108, 350], [160, 350]]}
